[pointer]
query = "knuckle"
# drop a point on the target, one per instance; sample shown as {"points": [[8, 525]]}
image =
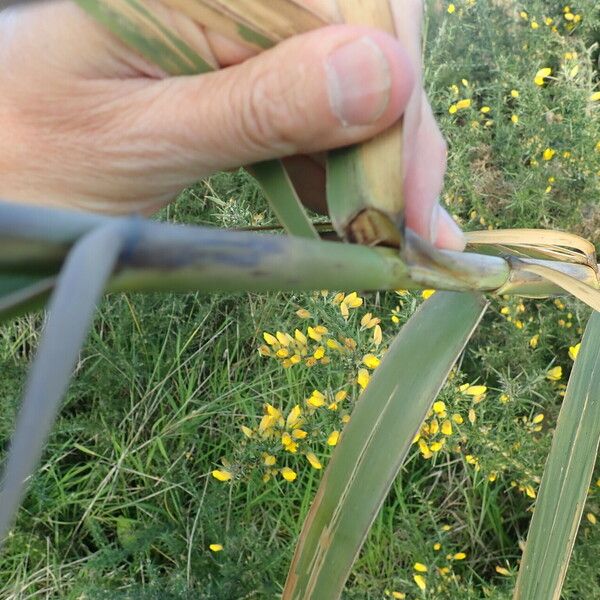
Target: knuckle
{"points": [[272, 116]]}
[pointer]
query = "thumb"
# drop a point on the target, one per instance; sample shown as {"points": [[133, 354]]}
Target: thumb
{"points": [[323, 89]]}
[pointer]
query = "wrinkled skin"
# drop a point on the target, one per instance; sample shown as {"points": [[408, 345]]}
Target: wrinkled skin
{"points": [[89, 124]]}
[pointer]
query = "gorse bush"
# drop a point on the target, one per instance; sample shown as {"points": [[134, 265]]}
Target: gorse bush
{"points": [[198, 431]]}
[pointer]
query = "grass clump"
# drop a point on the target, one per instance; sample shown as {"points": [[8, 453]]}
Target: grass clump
{"points": [[173, 390]]}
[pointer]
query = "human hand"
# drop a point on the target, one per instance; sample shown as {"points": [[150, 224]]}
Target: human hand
{"points": [[89, 124]]}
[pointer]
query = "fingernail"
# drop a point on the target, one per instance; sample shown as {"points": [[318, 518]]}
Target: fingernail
{"points": [[359, 82], [449, 234]]}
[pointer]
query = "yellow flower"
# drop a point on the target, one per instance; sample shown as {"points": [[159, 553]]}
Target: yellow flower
{"points": [[314, 335], [293, 417], [420, 567], [268, 460], [503, 398], [300, 337], [216, 547], [363, 378], [398, 595], [303, 313], [447, 428], [533, 342], [523, 15], [427, 293], [534, 25], [368, 321], [434, 426], [538, 418], [452, 109], [338, 298], [591, 517], [457, 419], [451, 8], [502, 571], [554, 374], [270, 339], [313, 460], [485, 109], [222, 475], [436, 446], [288, 474], [541, 75], [352, 300], [283, 338], [574, 351], [459, 556], [424, 448], [319, 352], [333, 438], [437, 546], [465, 103], [344, 310], [288, 444], [420, 581], [473, 390], [595, 97], [334, 345], [514, 93], [371, 361], [316, 399], [549, 154], [341, 395], [377, 335], [439, 407], [299, 434], [247, 431], [514, 119]]}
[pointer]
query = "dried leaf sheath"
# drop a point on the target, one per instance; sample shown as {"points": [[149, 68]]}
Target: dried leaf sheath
{"points": [[141, 29], [365, 182]]}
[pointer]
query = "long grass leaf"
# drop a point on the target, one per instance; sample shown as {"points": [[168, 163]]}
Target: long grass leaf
{"points": [[566, 478], [21, 293], [79, 286], [376, 441], [282, 197]]}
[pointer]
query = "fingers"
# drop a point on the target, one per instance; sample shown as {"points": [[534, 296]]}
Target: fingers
{"points": [[423, 183], [425, 148], [324, 89]]}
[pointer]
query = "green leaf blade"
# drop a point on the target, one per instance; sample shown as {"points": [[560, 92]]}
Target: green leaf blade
{"points": [[80, 285], [376, 442], [21, 293], [566, 478]]}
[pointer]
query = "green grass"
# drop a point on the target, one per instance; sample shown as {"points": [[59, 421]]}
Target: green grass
{"points": [[124, 504]]}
